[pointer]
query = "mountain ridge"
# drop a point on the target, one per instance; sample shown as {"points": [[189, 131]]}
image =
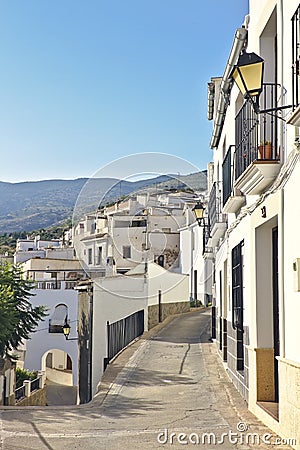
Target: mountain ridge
{"points": [[31, 205]]}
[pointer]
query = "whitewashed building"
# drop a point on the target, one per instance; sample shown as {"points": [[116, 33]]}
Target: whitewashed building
{"points": [[194, 261], [39, 248], [117, 238], [254, 218], [47, 349]]}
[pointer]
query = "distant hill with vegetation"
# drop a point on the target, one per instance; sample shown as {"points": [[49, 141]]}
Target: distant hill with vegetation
{"points": [[29, 206]]}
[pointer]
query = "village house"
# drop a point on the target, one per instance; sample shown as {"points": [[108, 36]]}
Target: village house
{"points": [[145, 226], [253, 213]]}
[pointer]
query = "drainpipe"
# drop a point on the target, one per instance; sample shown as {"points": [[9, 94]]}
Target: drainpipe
{"points": [[210, 100], [226, 84], [281, 270]]}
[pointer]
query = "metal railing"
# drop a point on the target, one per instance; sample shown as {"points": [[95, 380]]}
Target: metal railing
{"points": [[214, 207], [48, 285], [54, 328], [35, 384], [227, 176], [28, 387], [20, 393], [122, 332], [205, 236], [256, 135]]}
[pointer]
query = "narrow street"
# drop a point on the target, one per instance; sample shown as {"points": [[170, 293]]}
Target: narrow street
{"points": [[172, 382]]}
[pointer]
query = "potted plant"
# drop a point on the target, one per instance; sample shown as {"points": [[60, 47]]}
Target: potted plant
{"points": [[265, 150]]}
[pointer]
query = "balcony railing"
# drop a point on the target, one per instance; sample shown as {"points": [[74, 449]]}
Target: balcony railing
{"points": [[205, 236], [227, 176], [214, 207], [256, 135], [55, 328]]}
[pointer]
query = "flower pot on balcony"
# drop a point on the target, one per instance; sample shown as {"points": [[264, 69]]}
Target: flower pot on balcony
{"points": [[265, 151]]}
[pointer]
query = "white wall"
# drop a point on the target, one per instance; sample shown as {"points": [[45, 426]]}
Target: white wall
{"points": [[42, 341], [291, 252], [114, 299], [174, 287]]}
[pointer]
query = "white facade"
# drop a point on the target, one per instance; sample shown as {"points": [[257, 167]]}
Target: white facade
{"points": [[42, 341], [119, 237], [193, 263], [37, 248], [254, 212], [55, 280]]}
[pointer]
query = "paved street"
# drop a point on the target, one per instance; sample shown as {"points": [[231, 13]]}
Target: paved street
{"points": [[172, 382], [60, 394]]}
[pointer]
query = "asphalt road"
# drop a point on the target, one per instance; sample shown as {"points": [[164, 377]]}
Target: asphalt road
{"points": [[171, 383], [60, 394]]}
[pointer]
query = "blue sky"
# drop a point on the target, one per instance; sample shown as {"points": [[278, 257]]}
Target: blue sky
{"points": [[86, 82]]}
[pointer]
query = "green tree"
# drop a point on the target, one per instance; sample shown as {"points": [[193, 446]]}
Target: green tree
{"points": [[18, 317]]}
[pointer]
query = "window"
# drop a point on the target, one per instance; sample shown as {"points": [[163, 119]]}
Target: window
{"points": [[99, 256], [296, 56], [138, 223], [93, 228], [126, 251], [237, 301], [90, 256]]}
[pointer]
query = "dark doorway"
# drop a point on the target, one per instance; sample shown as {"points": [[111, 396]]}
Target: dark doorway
{"points": [[159, 307], [195, 286], [276, 336], [49, 360], [161, 260], [69, 363], [5, 399]]}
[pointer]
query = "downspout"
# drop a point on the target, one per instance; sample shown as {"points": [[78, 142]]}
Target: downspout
{"points": [[281, 287], [226, 85]]}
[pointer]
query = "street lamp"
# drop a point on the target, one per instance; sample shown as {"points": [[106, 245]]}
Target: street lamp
{"points": [[66, 330], [248, 74], [198, 210]]}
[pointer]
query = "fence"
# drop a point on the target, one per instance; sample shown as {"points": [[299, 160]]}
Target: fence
{"points": [[122, 332], [20, 393], [28, 387]]}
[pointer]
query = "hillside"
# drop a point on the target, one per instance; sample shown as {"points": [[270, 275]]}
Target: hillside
{"points": [[29, 206]]}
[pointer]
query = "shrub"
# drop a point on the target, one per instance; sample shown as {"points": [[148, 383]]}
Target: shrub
{"points": [[22, 375]]}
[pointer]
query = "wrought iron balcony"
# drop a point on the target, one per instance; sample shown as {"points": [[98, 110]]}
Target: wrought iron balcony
{"points": [[217, 220], [227, 176], [207, 249], [232, 198], [55, 328], [256, 135]]}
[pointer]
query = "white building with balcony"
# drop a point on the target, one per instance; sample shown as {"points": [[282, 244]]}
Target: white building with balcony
{"points": [[254, 215]]}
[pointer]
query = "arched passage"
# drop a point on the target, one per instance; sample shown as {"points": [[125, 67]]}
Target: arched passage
{"points": [[57, 365]]}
